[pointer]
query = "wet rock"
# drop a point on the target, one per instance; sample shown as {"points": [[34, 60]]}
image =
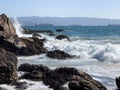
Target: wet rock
{"points": [[83, 81], [58, 77], [78, 80], [60, 37], [32, 46], [35, 76], [7, 29], [8, 67], [20, 85], [57, 54], [60, 30], [36, 35], [30, 68], [118, 83], [33, 72], [29, 31]]}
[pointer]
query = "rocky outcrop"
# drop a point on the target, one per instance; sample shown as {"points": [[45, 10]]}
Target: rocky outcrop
{"points": [[33, 72], [118, 83], [32, 46], [58, 54], [25, 46], [8, 67], [7, 29], [60, 30], [60, 37], [78, 80], [29, 31]]}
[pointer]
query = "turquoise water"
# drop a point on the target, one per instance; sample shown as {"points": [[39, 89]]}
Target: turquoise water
{"points": [[86, 32], [97, 51]]}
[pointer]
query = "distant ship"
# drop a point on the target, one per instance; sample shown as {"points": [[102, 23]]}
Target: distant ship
{"points": [[74, 25], [113, 25], [43, 24]]}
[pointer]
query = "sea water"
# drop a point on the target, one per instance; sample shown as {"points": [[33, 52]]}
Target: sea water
{"points": [[97, 51]]}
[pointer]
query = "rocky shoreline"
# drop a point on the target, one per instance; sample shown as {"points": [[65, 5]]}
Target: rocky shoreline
{"points": [[12, 46]]}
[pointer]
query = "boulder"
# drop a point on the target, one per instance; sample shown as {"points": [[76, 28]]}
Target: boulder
{"points": [[36, 35], [60, 37], [60, 30], [32, 46], [118, 83], [33, 72], [31, 68], [7, 29], [83, 81], [8, 67], [29, 31], [35, 76], [78, 80], [58, 54]]}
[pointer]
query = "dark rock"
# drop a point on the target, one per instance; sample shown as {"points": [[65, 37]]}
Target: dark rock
{"points": [[33, 46], [118, 83], [8, 46], [58, 77], [36, 35], [29, 31], [7, 29], [57, 54], [31, 68], [55, 79], [60, 30], [8, 67], [83, 81], [60, 37], [35, 76], [20, 85], [26, 46], [61, 88], [34, 72]]}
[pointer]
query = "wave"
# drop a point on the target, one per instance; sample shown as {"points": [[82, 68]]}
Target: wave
{"points": [[85, 49]]}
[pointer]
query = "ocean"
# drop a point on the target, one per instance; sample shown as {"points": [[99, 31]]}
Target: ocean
{"points": [[97, 50]]}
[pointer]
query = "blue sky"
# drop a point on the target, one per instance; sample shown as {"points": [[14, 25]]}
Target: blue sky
{"points": [[62, 8]]}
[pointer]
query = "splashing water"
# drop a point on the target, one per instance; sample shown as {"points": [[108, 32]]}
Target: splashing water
{"points": [[18, 27]]}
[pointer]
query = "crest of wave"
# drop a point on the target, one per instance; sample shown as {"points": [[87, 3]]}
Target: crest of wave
{"points": [[18, 27]]}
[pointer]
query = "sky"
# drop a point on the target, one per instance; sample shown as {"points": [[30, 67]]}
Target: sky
{"points": [[62, 8]]}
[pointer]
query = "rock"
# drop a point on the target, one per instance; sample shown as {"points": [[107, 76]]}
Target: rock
{"points": [[57, 54], [60, 30], [58, 77], [20, 85], [29, 31], [60, 37], [30, 68], [36, 35], [33, 72], [78, 80], [32, 46], [25, 46], [83, 81], [35, 76], [8, 67], [118, 83], [7, 29]]}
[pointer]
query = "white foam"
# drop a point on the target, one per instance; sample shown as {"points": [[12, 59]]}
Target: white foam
{"points": [[87, 49], [19, 29]]}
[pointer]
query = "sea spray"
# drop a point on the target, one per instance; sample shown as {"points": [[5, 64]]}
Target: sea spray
{"points": [[18, 27]]}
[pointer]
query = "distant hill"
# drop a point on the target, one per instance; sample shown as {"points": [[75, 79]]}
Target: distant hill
{"points": [[85, 21]]}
